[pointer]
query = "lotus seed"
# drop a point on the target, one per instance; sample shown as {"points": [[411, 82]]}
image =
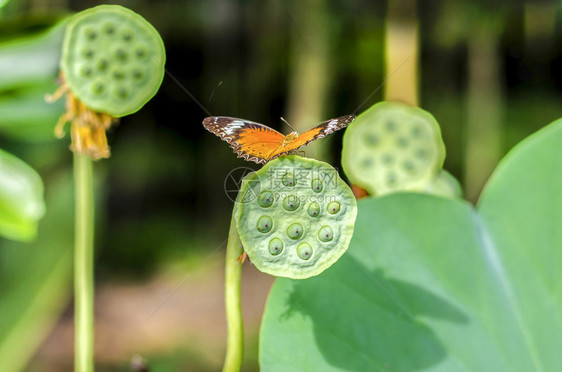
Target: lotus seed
{"points": [[294, 231], [367, 162], [388, 159], [122, 92], [416, 131], [390, 126], [326, 234], [141, 52], [137, 74], [313, 209], [275, 246], [88, 53], [264, 224], [402, 142], [102, 64], [421, 153], [289, 179], [372, 140], [127, 35], [97, 87], [333, 207], [408, 165], [317, 185], [91, 34], [121, 54], [109, 28], [304, 251], [118, 74], [86, 71], [291, 203], [391, 178], [265, 199]]}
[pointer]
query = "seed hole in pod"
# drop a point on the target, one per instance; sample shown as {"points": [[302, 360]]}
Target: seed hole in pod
{"points": [[417, 131], [313, 209], [127, 35], [402, 142], [326, 234], [91, 34], [333, 207], [86, 71], [98, 87], [118, 74], [304, 251], [88, 53], [388, 159], [391, 178], [138, 74], [264, 224], [102, 64], [390, 125], [294, 231], [275, 246], [288, 179], [121, 92], [291, 203], [316, 185], [409, 166], [109, 28], [421, 153], [141, 52], [367, 162], [372, 139], [121, 54], [265, 199]]}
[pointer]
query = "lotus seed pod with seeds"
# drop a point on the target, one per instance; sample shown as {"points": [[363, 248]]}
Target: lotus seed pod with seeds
{"points": [[391, 147], [112, 59], [295, 217]]}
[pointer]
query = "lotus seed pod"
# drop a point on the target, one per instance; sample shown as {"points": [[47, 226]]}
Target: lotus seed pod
{"points": [[112, 59], [445, 185], [392, 147], [309, 222]]}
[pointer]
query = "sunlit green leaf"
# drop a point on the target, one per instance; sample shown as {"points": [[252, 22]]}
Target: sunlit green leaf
{"points": [[21, 198]]}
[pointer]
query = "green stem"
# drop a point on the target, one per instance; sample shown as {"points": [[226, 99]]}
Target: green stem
{"points": [[84, 264], [233, 276]]}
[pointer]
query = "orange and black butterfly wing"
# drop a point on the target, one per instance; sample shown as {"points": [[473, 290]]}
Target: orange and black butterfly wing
{"points": [[249, 140], [321, 130]]}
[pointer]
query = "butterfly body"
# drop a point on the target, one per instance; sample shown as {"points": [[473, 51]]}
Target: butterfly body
{"points": [[260, 143]]}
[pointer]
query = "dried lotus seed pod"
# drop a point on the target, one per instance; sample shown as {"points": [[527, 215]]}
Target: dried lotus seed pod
{"points": [[295, 217], [112, 59], [392, 147]]}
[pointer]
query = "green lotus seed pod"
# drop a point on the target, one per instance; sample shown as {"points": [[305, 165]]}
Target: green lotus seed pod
{"points": [[302, 240], [112, 59], [392, 147]]}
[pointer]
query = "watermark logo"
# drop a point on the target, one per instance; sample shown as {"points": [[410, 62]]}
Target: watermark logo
{"points": [[233, 183]]}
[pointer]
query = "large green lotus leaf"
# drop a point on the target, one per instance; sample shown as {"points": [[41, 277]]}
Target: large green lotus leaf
{"points": [[432, 284]]}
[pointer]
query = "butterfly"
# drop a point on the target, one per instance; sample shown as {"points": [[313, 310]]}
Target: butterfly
{"points": [[260, 143]]}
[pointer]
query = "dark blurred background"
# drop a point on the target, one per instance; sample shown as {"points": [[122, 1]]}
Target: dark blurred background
{"points": [[489, 71]]}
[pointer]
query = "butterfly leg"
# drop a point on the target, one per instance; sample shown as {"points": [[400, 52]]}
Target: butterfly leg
{"points": [[299, 152], [242, 258]]}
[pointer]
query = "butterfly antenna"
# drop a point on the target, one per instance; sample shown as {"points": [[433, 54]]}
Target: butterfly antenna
{"points": [[286, 122]]}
